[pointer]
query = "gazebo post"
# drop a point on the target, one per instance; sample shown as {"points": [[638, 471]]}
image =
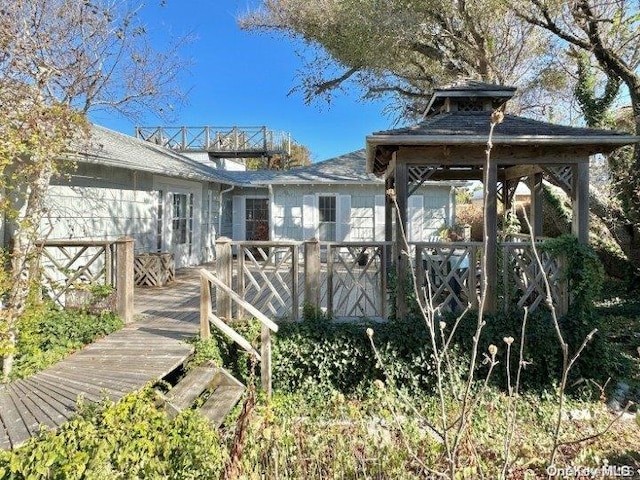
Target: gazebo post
{"points": [[580, 201], [402, 197], [491, 236], [388, 222], [535, 185]]}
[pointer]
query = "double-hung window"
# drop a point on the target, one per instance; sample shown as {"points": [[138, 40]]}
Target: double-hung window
{"points": [[327, 224]]}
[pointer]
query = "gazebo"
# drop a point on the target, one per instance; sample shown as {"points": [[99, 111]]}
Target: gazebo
{"points": [[451, 144]]}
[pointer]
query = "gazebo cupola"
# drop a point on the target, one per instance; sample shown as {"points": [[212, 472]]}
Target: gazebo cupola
{"points": [[451, 144], [468, 96]]}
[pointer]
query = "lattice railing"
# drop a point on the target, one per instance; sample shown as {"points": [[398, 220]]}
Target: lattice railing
{"points": [[524, 277], [356, 281], [67, 266], [449, 274], [349, 280], [268, 277]]}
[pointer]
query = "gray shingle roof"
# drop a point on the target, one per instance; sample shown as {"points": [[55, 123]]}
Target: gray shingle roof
{"points": [[347, 168], [466, 85], [115, 149], [478, 124], [472, 129]]}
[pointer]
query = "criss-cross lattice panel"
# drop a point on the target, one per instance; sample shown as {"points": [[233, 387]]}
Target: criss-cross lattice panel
{"points": [[267, 277], [418, 174], [354, 281], [526, 274], [560, 175], [65, 266], [450, 277]]}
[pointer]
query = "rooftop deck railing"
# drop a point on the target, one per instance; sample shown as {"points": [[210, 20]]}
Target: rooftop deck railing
{"points": [[233, 141]]}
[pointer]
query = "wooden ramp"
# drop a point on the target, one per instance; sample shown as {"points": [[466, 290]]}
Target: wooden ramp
{"points": [[120, 363]]}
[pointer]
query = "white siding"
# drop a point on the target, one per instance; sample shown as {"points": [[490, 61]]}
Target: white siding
{"points": [[415, 218], [309, 217], [343, 231], [239, 225], [379, 217]]}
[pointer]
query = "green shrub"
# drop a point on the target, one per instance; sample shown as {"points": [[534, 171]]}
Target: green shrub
{"points": [[130, 439], [47, 334]]}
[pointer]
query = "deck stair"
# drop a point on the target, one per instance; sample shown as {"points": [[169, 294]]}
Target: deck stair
{"points": [[219, 390]]}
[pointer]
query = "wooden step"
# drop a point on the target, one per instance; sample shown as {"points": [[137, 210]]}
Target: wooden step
{"points": [[225, 392], [193, 384], [220, 403]]}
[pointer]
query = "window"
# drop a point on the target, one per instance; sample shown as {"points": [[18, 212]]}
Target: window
{"points": [[182, 224], [327, 220], [257, 219]]}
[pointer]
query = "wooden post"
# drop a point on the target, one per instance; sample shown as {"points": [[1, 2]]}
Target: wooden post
{"points": [[312, 273], [224, 266], [265, 364], [535, 185], [401, 189], [580, 202], [295, 295], [205, 308], [124, 278], [491, 236], [330, 281], [389, 215], [241, 283], [384, 252], [420, 273], [473, 293]]}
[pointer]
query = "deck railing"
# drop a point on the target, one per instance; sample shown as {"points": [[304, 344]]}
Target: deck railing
{"points": [[207, 318], [68, 265], [350, 279], [232, 140]]}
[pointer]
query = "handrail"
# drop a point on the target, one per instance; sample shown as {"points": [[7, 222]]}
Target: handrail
{"points": [[240, 301], [207, 317]]}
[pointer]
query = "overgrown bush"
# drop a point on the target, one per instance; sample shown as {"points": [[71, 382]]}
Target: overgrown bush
{"points": [[47, 334], [130, 439]]}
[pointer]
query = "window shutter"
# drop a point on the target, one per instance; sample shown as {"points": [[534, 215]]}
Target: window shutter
{"points": [[379, 217], [343, 229], [415, 217], [239, 218], [309, 217]]}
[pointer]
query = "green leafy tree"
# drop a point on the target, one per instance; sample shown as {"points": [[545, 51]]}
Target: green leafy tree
{"points": [[59, 59], [401, 49], [299, 156]]}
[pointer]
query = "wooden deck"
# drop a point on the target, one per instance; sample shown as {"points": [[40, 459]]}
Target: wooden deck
{"points": [[122, 362]]}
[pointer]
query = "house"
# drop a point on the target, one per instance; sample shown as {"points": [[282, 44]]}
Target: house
{"points": [[178, 202], [333, 200]]}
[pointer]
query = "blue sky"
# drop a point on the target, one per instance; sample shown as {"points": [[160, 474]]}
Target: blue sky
{"points": [[244, 78]]}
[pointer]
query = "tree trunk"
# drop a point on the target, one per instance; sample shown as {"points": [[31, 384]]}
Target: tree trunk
{"points": [[23, 254]]}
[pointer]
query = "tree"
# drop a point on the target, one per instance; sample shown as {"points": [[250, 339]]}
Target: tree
{"points": [[298, 157], [59, 59], [404, 48], [607, 32], [547, 48]]}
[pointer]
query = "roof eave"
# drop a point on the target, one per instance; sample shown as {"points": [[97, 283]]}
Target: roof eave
{"points": [[418, 140]]}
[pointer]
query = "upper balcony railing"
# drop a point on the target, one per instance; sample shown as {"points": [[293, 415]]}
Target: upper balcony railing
{"points": [[242, 142]]}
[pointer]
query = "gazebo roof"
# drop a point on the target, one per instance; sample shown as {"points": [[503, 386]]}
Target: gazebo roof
{"points": [[472, 128]]}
